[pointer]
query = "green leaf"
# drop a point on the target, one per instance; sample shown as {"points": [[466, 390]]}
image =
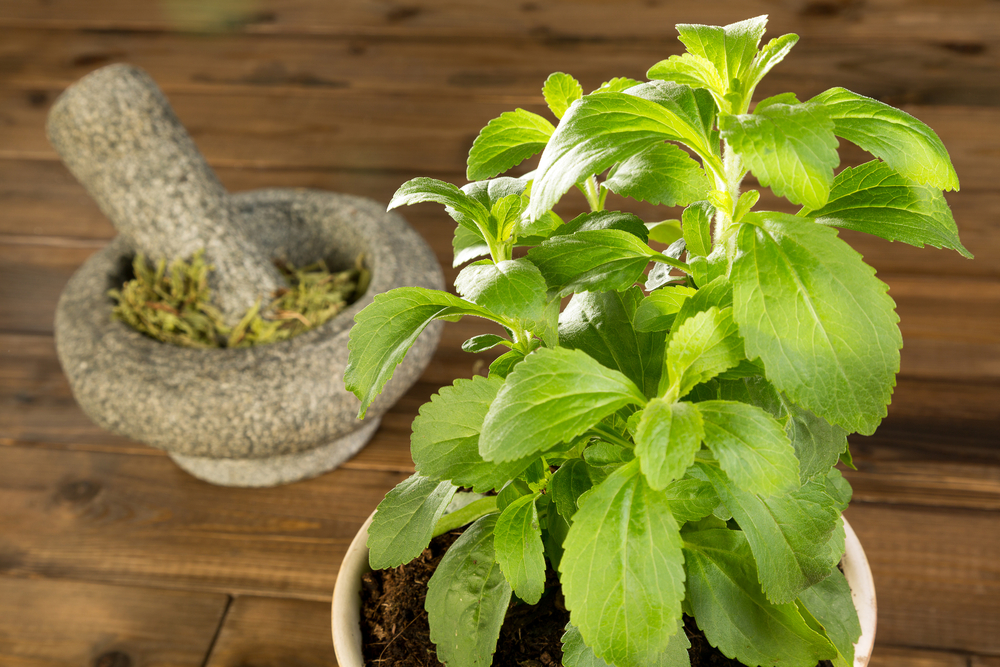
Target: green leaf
{"points": [[597, 220], [519, 550], [622, 570], [665, 231], [385, 330], [697, 225], [658, 310], [472, 213], [506, 142], [818, 444], [445, 440], [576, 653], [730, 48], [467, 245], [591, 261], [790, 534], [607, 128], [598, 323], [690, 499], [483, 343], [514, 289], [552, 396], [701, 348], [504, 364], [561, 90], [668, 437], [876, 200], [829, 602], [752, 448], [661, 174], [906, 144], [815, 314], [789, 147], [689, 70], [769, 55], [467, 599], [733, 613], [404, 521], [745, 203], [616, 85], [569, 482]]}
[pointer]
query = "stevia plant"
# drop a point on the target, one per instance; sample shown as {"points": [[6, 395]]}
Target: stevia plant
{"points": [[669, 450]]}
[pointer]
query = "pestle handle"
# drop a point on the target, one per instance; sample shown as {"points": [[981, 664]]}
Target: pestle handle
{"points": [[118, 135]]}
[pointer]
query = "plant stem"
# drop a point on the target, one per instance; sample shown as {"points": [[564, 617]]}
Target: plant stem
{"points": [[593, 194], [468, 514]]}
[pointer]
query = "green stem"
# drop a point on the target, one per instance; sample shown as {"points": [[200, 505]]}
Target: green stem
{"points": [[593, 194], [607, 433], [468, 514]]}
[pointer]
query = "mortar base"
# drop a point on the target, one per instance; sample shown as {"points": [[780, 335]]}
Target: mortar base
{"points": [[275, 470]]}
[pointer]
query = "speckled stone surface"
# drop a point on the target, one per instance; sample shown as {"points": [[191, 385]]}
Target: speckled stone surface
{"points": [[248, 404], [116, 132]]}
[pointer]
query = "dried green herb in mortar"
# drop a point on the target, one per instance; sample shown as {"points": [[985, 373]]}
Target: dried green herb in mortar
{"points": [[173, 306]]}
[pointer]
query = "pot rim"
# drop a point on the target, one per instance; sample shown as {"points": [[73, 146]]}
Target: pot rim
{"points": [[346, 604]]}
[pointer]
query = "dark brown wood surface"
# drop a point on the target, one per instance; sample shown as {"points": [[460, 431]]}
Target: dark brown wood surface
{"points": [[109, 553]]}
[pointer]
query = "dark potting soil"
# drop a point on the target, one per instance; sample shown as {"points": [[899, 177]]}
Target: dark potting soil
{"points": [[395, 632]]}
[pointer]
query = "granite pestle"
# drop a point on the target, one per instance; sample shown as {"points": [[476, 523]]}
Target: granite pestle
{"points": [[118, 135]]}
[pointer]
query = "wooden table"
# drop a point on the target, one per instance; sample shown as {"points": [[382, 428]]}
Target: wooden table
{"points": [[111, 556]]}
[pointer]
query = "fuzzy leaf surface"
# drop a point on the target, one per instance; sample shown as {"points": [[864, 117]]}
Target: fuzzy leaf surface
{"points": [[561, 90], [874, 199], [668, 437], [606, 128], [790, 535], [622, 570], [908, 146], [829, 602], [404, 521], [752, 448], [506, 142], [697, 226], [552, 396], [519, 550], [599, 323], [512, 288], [705, 345], [661, 174], [815, 314], [789, 147], [467, 599], [658, 310], [445, 439], [730, 48], [591, 261], [733, 613], [387, 328]]}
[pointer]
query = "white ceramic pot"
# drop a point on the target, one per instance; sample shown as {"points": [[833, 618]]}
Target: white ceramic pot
{"points": [[347, 598]]}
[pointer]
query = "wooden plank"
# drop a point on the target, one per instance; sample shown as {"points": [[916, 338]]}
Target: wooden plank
{"points": [[269, 631], [913, 71], [937, 576], [413, 132], [894, 656], [141, 521], [42, 203], [984, 661], [876, 20], [56, 623]]}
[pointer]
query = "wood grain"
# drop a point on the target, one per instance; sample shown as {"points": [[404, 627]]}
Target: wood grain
{"points": [[140, 520], [55, 623], [876, 20], [899, 72], [268, 632], [413, 132], [893, 656], [936, 573]]}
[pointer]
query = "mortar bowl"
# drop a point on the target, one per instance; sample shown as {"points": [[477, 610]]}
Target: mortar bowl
{"points": [[257, 416]]}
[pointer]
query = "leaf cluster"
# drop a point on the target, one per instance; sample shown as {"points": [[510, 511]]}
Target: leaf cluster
{"points": [[174, 305], [669, 449]]}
